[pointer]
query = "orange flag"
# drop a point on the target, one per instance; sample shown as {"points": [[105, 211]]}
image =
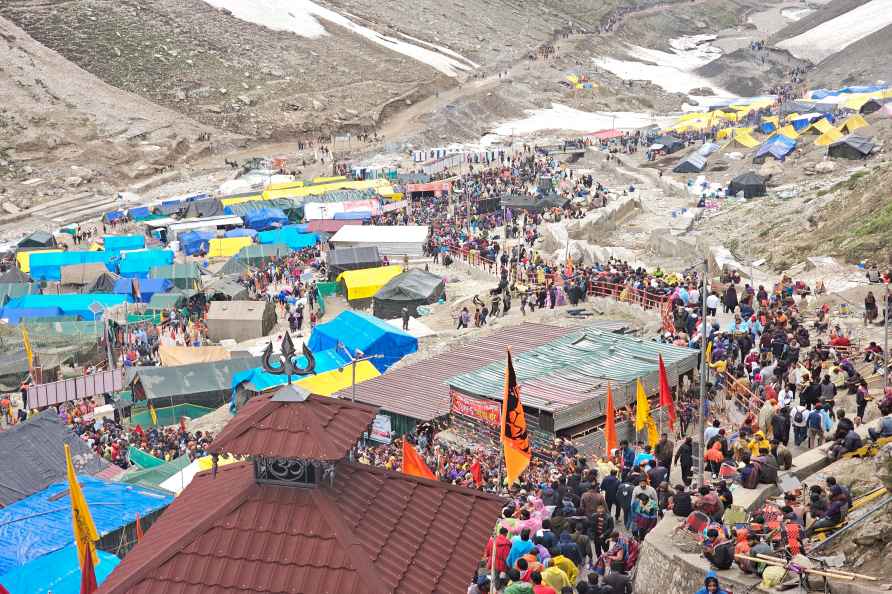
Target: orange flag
{"points": [[666, 395], [513, 432], [413, 463], [139, 534], [610, 426]]}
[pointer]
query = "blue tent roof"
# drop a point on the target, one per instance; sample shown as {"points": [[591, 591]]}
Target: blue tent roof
{"points": [[48, 513], [48, 265], [69, 304], [138, 264], [358, 215], [139, 213], [261, 380], [240, 233], [367, 333], [819, 94], [15, 314], [117, 243], [290, 237], [298, 227], [170, 202], [194, 242], [58, 572], [265, 218], [147, 287], [767, 127], [778, 146], [114, 215]]}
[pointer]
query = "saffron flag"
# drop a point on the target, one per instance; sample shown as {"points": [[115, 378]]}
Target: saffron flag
{"points": [[666, 400], [26, 339], [85, 535], [610, 425], [643, 418], [153, 414], [513, 432], [413, 463], [88, 575]]}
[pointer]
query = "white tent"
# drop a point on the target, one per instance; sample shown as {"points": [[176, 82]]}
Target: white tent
{"points": [[391, 241]]}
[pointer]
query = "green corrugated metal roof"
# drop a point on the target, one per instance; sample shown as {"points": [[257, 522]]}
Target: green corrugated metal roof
{"points": [[590, 353]]}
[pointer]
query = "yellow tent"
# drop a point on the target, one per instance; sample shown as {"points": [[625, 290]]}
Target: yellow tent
{"points": [[829, 137], [241, 199], [326, 384], [789, 131], [224, 247], [381, 186], [852, 123], [818, 127], [285, 185], [324, 180], [732, 132], [742, 140], [24, 258], [364, 283]]}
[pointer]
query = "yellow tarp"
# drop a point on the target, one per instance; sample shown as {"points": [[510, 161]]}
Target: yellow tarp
{"points": [[828, 137], [853, 123], [326, 384], [285, 185], [364, 283], [818, 127], [382, 186], [789, 131], [743, 140], [224, 247], [324, 180], [23, 259], [732, 132], [171, 356]]}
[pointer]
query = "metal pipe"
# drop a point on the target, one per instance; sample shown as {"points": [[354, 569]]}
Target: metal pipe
{"points": [[877, 507]]}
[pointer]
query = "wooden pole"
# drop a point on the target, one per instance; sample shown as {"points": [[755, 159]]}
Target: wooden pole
{"points": [[834, 571], [779, 563]]}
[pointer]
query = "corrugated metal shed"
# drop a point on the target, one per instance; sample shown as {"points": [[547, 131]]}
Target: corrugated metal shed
{"points": [[420, 389], [568, 376], [86, 386]]}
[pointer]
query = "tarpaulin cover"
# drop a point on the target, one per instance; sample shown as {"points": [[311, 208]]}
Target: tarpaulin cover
{"points": [[367, 333], [751, 184], [289, 237], [265, 218], [143, 459], [778, 146], [410, 289], [70, 304], [202, 208], [359, 215], [147, 287], [240, 233], [195, 242], [58, 572], [12, 290], [223, 247], [23, 259], [256, 254], [48, 528], [139, 213], [82, 274], [48, 266], [260, 380], [171, 355], [167, 301], [117, 243], [819, 94], [365, 282], [114, 215], [38, 239], [326, 384], [157, 475], [293, 209], [138, 264], [183, 276]]}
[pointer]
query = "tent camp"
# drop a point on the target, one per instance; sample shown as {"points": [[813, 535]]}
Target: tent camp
{"points": [[670, 144], [853, 123], [203, 384], [38, 239], [365, 282], [225, 247], [265, 218], [356, 330], [751, 184], [48, 265], [409, 289], [142, 290], [196, 242], [403, 240], [210, 207], [240, 320], [256, 255], [851, 147], [184, 276], [778, 146], [340, 260], [225, 288]]}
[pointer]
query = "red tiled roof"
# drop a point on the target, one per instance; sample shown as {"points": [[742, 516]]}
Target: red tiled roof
{"points": [[372, 531], [419, 390], [320, 428]]}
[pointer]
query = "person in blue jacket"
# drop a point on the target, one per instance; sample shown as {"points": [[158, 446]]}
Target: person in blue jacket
{"points": [[711, 585]]}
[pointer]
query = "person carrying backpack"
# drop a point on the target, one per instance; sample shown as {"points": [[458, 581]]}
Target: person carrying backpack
{"points": [[799, 417], [815, 425]]}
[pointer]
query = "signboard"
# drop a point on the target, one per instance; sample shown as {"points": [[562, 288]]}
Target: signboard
{"points": [[381, 429], [486, 411]]}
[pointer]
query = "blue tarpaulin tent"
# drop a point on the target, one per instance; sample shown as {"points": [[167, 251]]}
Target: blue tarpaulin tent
{"points": [[147, 287], [778, 146], [118, 243], [58, 572], [290, 237], [260, 380], [48, 512], [138, 264], [819, 94], [112, 216], [367, 333], [767, 127], [196, 242], [15, 314], [240, 233], [358, 215], [265, 218], [69, 304], [139, 213], [299, 227], [48, 266]]}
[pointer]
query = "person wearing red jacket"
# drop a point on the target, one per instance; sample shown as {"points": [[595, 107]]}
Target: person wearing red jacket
{"points": [[503, 547]]}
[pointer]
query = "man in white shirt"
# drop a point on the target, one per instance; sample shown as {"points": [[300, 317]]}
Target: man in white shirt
{"points": [[712, 303]]}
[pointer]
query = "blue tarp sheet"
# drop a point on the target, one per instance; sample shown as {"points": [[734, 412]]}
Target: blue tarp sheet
{"points": [[367, 333], [359, 215], [113, 215], [767, 127], [195, 242], [139, 213], [138, 264], [48, 266], [117, 243], [58, 572], [265, 218], [299, 227], [778, 146], [819, 94], [240, 233], [290, 237], [15, 314], [69, 304], [48, 527], [147, 287]]}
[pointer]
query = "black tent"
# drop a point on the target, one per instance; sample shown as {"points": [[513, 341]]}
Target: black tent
{"points": [[409, 289], [14, 275], [851, 147], [104, 283], [870, 107], [531, 203], [38, 239], [352, 258], [210, 207], [751, 184], [169, 209], [670, 144]]}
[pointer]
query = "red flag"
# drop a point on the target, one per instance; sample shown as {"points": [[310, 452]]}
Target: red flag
{"points": [[477, 473], [666, 395], [139, 534], [88, 575], [610, 426], [413, 463]]}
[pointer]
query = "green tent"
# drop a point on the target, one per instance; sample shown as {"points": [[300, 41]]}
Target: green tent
{"points": [[167, 301], [12, 290], [257, 254], [234, 267], [183, 276], [143, 459], [157, 474]]}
